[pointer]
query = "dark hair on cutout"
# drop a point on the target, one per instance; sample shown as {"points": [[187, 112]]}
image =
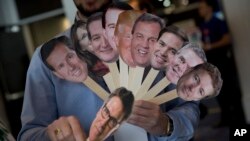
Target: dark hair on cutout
{"points": [[196, 49], [82, 52], [50, 45], [147, 17], [73, 32], [94, 17], [127, 99], [215, 75], [115, 5], [174, 30]]}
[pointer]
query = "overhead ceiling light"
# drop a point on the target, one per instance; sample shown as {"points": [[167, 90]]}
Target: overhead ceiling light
{"points": [[14, 28], [166, 3]]}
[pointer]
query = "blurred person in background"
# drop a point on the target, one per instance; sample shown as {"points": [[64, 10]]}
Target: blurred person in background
{"points": [[217, 43]]}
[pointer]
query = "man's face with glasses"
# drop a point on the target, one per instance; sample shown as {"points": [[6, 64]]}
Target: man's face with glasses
{"points": [[107, 119]]}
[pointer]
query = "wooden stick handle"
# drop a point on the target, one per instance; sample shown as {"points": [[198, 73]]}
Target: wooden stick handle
{"points": [[109, 82], [123, 73], [156, 89], [165, 97], [115, 73], [136, 79], [146, 83], [89, 82]]}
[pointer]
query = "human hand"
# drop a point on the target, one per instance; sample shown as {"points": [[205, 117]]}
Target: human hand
{"points": [[149, 116], [66, 129]]}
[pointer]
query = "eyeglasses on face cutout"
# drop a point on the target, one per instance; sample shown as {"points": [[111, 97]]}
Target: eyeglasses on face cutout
{"points": [[112, 122]]}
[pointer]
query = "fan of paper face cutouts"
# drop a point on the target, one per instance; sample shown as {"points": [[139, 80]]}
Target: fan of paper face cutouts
{"points": [[131, 78]]}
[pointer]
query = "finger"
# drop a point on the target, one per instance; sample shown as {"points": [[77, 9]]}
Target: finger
{"points": [[145, 104], [58, 133], [139, 111], [66, 131], [154, 112], [139, 121], [144, 116], [51, 133], [142, 125], [57, 128], [78, 132]]}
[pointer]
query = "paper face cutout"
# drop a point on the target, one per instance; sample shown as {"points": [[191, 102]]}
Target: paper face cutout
{"points": [[141, 43]]}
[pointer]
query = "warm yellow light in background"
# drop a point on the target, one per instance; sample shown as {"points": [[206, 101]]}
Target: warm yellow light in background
{"points": [[65, 23]]}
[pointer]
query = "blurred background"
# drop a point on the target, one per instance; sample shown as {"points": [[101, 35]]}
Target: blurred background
{"points": [[26, 24]]}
